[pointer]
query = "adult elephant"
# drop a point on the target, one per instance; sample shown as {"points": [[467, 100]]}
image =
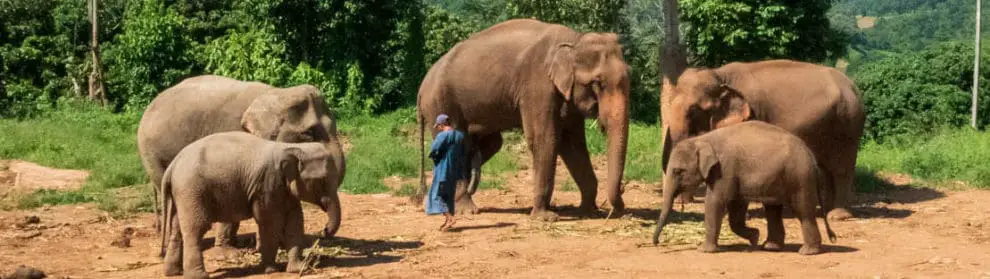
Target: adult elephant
{"points": [[204, 105], [546, 79], [818, 104]]}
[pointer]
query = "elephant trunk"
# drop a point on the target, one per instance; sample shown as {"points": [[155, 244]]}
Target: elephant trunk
{"points": [[669, 192], [331, 204], [617, 133]]}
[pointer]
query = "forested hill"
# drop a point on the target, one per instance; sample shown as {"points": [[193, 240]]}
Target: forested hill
{"points": [[903, 25], [913, 60]]}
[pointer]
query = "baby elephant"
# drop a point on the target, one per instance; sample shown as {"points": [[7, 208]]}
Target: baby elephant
{"points": [[233, 176], [750, 161]]}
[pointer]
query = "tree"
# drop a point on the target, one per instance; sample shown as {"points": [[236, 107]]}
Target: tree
{"points": [[722, 31], [96, 91], [673, 64], [976, 66]]}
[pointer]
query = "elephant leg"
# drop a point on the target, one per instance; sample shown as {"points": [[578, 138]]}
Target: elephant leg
{"points": [[574, 152], [841, 170], [484, 148], [714, 212], [155, 169], [542, 132], [193, 226], [292, 240], [775, 227], [173, 254], [804, 210], [270, 228], [227, 235], [737, 221]]}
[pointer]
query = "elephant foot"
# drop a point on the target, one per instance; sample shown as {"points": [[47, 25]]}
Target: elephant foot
{"points": [[465, 206], [710, 248], [588, 211], [173, 269], [543, 215], [773, 246], [840, 214], [295, 267], [754, 238], [271, 269], [618, 207], [228, 244], [808, 250], [198, 274]]}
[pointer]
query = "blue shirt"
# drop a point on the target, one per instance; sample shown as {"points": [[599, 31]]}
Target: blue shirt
{"points": [[447, 153]]}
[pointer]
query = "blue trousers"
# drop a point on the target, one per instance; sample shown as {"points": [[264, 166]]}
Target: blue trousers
{"points": [[440, 198]]}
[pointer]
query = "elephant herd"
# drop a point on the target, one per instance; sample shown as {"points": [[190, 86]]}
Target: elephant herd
{"points": [[781, 132]]}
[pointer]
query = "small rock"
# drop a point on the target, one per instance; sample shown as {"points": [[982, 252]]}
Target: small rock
{"points": [[124, 240], [24, 272], [31, 220], [28, 235]]}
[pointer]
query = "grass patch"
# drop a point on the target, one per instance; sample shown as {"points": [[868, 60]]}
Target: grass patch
{"points": [[948, 156], [492, 183], [407, 190], [642, 153], [569, 186], [79, 136], [380, 147]]}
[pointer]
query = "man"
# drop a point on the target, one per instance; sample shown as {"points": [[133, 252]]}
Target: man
{"points": [[447, 154]]}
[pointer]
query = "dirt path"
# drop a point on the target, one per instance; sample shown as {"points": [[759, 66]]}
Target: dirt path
{"points": [[905, 233]]}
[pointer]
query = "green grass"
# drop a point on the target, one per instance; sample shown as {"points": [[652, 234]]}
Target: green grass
{"points": [[492, 182], [78, 136], [381, 146], [948, 156], [642, 154]]}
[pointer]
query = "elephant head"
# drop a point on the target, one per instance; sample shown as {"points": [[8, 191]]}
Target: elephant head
{"points": [[691, 163], [703, 100], [591, 74], [298, 114], [311, 172]]}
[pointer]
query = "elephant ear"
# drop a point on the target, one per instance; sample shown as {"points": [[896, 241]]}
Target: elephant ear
{"points": [[561, 70], [707, 160], [734, 108], [290, 165], [263, 118]]}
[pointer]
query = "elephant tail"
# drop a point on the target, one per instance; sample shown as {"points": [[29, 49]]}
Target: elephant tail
{"points": [[822, 182], [168, 207], [421, 191]]}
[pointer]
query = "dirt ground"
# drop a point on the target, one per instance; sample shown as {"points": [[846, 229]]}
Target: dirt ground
{"points": [[904, 232]]}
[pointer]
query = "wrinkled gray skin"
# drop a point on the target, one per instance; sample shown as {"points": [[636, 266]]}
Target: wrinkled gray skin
{"points": [[751, 161], [546, 79], [203, 105], [818, 104], [233, 176]]}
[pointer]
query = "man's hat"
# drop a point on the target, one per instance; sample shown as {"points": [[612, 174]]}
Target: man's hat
{"points": [[441, 120]]}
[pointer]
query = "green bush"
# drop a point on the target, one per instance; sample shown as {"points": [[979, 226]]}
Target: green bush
{"points": [[916, 94]]}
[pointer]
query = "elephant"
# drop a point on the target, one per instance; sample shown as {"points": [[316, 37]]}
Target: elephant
{"points": [[203, 105], [232, 176], [818, 104], [546, 79], [751, 161]]}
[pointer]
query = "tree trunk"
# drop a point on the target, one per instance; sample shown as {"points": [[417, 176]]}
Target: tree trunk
{"points": [[672, 64], [673, 61], [976, 66], [96, 90]]}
